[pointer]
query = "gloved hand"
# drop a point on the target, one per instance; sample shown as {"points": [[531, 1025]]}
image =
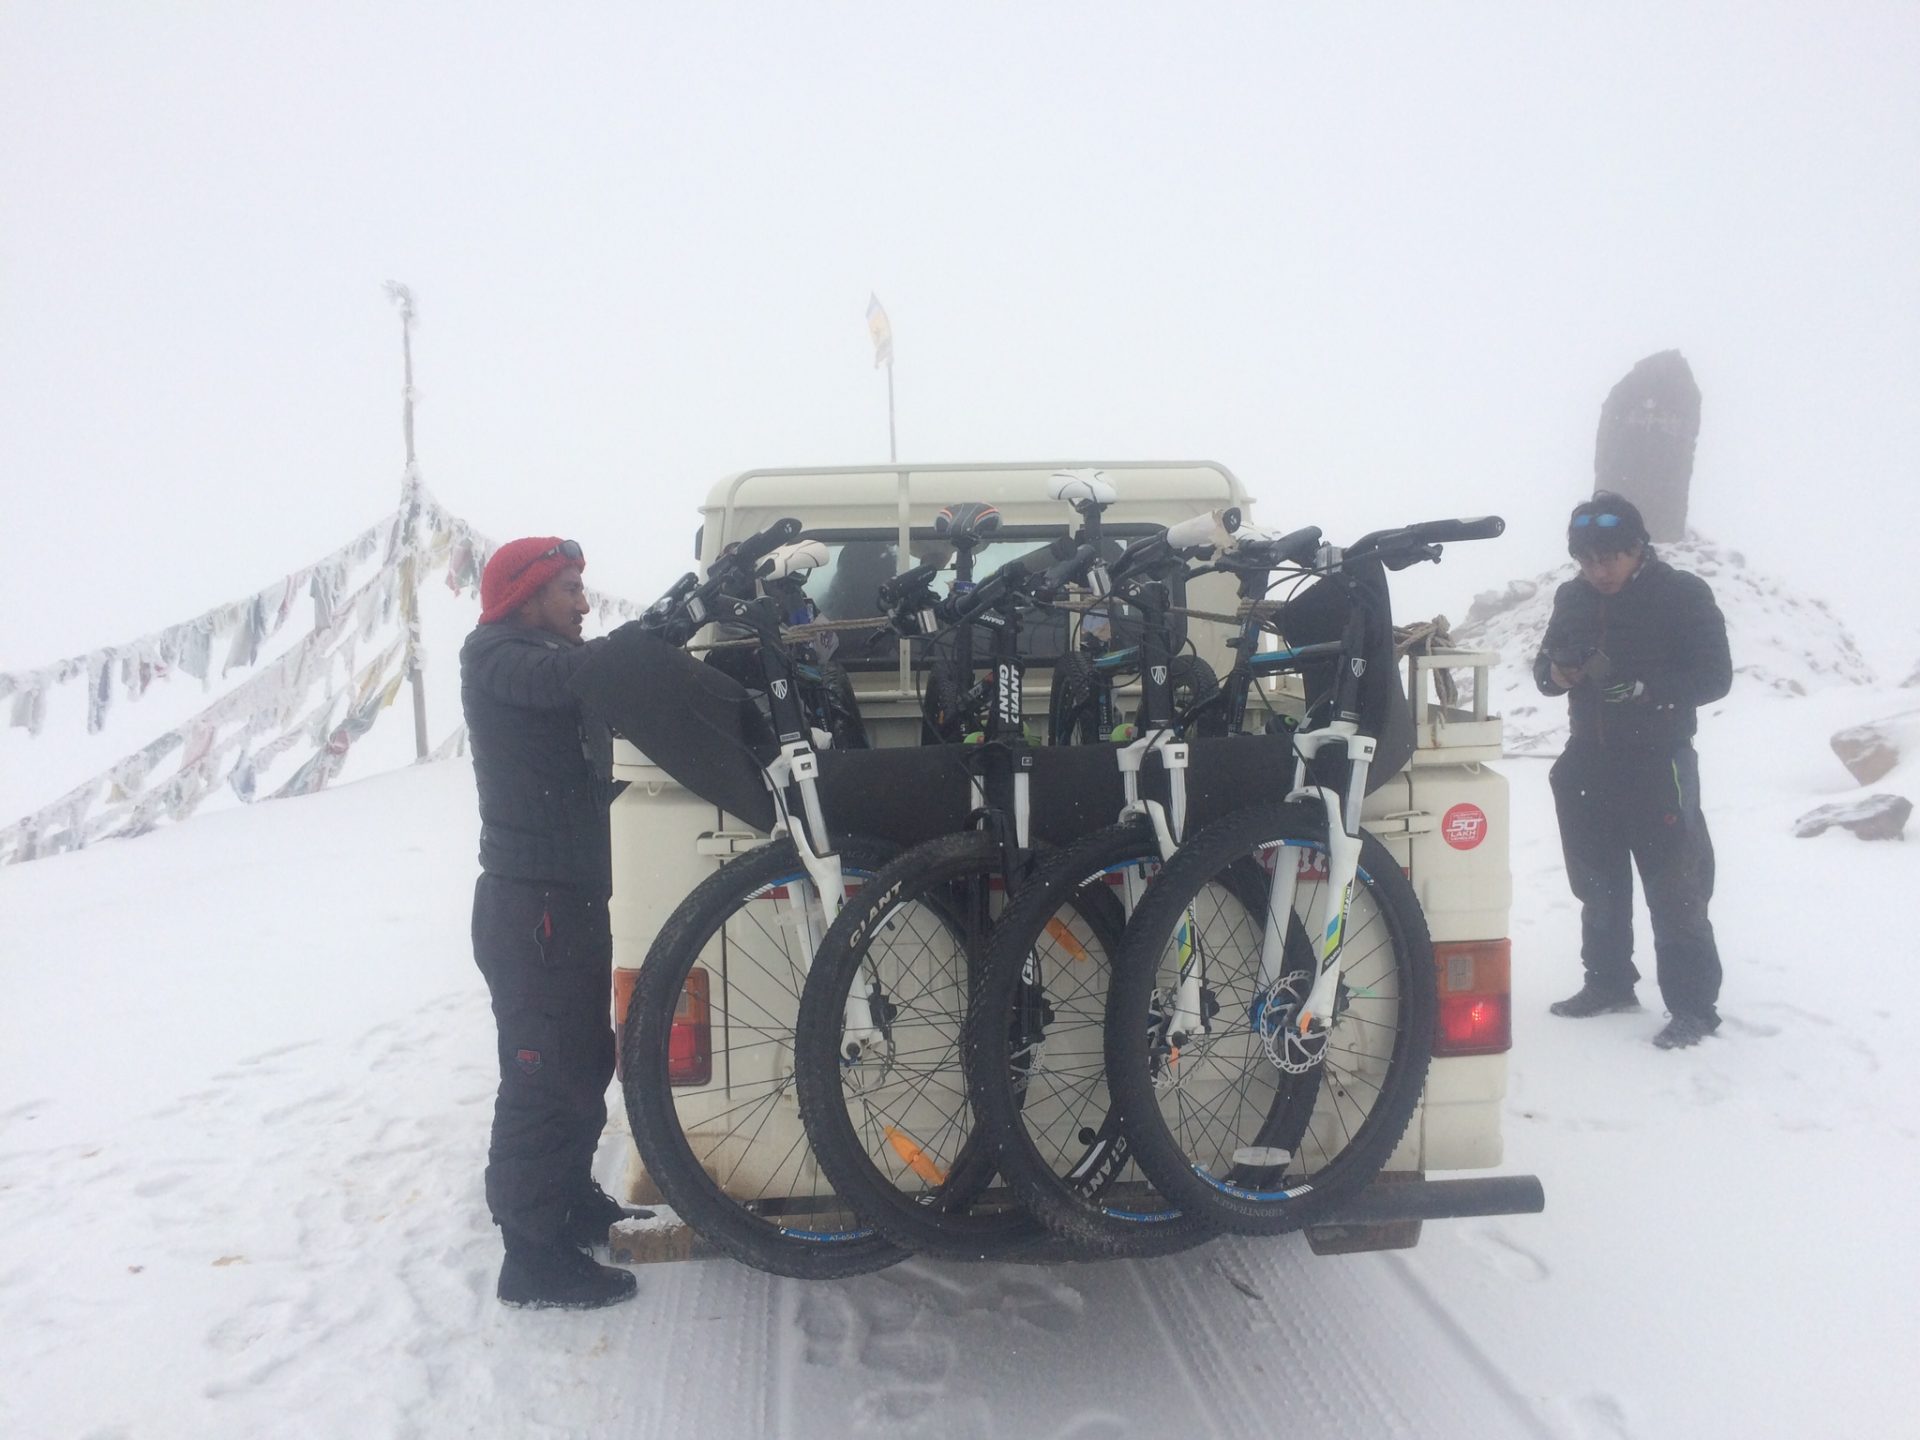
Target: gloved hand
{"points": [[1623, 692]]}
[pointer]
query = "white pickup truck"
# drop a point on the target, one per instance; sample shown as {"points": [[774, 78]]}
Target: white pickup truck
{"points": [[1444, 816]]}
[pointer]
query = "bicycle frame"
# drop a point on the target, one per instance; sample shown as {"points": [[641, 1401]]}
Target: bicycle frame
{"points": [[797, 768]]}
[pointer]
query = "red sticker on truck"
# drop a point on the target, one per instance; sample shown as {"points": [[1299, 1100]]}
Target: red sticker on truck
{"points": [[1464, 826]]}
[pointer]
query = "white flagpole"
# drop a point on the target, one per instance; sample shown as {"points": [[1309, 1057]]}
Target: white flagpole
{"points": [[880, 331], [402, 298]]}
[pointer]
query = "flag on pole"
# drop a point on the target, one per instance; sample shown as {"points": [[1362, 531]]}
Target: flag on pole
{"points": [[881, 329]]}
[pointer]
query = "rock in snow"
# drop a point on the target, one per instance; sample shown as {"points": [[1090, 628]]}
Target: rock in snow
{"points": [[1870, 751], [1877, 817]]}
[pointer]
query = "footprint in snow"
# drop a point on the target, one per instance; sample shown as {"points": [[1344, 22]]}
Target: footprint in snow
{"points": [[159, 1185], [831, 1327], [1709, 1087], [922, 1412], [278, 1051], [304, 1103], [1507, 1256], [909, 1355], [1603, 1417], [1048, 1305]]}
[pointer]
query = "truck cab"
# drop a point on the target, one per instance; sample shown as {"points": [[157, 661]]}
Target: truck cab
{"points": [[1443, 816]]}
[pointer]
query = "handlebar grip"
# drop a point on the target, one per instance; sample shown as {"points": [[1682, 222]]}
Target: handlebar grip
{"points": [[1038, 562], [1477, 527], [1296, 547], [1071, 568], [676, 595], [750, 550], [898, 587], [1015, 575]]}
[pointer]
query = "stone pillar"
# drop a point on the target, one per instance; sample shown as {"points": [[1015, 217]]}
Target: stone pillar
{"points": [[1644, 448]]}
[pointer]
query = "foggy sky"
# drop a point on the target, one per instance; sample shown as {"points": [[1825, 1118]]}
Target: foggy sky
{"points": [[1384, 262]]}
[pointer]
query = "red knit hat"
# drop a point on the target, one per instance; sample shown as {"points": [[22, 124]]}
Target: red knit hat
{"points": [[516, 572]]}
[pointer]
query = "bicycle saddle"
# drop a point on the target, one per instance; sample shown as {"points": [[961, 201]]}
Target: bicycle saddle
{"points": [[970, 523], [800, 558], [1081, 488]]}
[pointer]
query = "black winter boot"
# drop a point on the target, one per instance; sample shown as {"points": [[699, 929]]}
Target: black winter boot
{"points": [[559, 1277], [1592, 1000], [1683, 1031], [594, 1214]]}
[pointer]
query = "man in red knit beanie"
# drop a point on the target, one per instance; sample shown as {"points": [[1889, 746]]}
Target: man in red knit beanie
{"points": [[541, 935]]}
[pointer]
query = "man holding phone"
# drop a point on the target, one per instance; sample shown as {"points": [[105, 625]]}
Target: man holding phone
{"points": [[1636, 646]]}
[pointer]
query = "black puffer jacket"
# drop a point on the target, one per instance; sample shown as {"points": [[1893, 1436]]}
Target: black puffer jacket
{"points": [[543, 770], [1664, 630]]}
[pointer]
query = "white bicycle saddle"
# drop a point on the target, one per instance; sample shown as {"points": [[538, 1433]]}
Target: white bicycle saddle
{"points": [[1081, 487], [802, 557]]}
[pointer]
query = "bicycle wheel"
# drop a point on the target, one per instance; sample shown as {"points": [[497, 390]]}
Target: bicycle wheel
{"points": [[1194, 684], [1036, 1064], [730, 1157], [1219, 1127], [842, 708], [893, 1130], [1073, 716], [943, 718]]}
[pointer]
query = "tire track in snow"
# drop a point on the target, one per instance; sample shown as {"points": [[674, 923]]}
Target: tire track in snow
{"points": [[1171, 1305], [1483, 1364]]}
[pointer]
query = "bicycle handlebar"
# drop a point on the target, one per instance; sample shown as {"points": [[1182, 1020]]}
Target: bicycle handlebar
{"points": [[907, 584], [1428, 532], [679, 613], [1016, 575], [750, 551], [1197, 537], [1296, 547]]}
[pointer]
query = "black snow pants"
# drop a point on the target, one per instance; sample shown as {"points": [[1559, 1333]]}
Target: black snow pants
{"points": [[1644, 808], [547, 954]]}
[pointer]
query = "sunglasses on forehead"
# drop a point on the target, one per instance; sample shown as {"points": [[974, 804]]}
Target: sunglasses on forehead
{"points": [[568, 550], [1580, 522]]}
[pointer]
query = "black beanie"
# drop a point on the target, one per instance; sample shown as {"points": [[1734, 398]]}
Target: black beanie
{"points": [[1607, 522]]}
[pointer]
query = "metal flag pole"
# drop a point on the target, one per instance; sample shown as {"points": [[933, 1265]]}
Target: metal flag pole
{"points": [[880, 330], [402, 298]]}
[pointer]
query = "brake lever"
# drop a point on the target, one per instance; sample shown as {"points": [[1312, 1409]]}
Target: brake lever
{"points": [[1409, 558]]}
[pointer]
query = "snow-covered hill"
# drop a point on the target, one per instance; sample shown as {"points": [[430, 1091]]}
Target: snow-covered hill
{"points": [[246, 1067], [1784, 643]]}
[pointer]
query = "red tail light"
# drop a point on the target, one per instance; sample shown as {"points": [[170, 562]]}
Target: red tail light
{"points": [[690, 1043], [1476, 1008]]}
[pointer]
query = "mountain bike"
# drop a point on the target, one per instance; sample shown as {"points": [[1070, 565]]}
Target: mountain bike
{"points": [[1035, 1045], [716, 994], [1259, 1085], [885, 1112], [883, 1010]]}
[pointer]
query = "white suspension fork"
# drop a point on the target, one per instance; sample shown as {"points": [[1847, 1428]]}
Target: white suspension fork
{"points": [[811, 915], [1169, 825], [1327, 919]]}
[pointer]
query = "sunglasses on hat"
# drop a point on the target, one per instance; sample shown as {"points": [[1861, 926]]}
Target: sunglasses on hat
{"points": [[568, 550]]}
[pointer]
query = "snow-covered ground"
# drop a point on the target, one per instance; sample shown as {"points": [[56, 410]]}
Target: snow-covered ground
{"points": [[245, 1075]]}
